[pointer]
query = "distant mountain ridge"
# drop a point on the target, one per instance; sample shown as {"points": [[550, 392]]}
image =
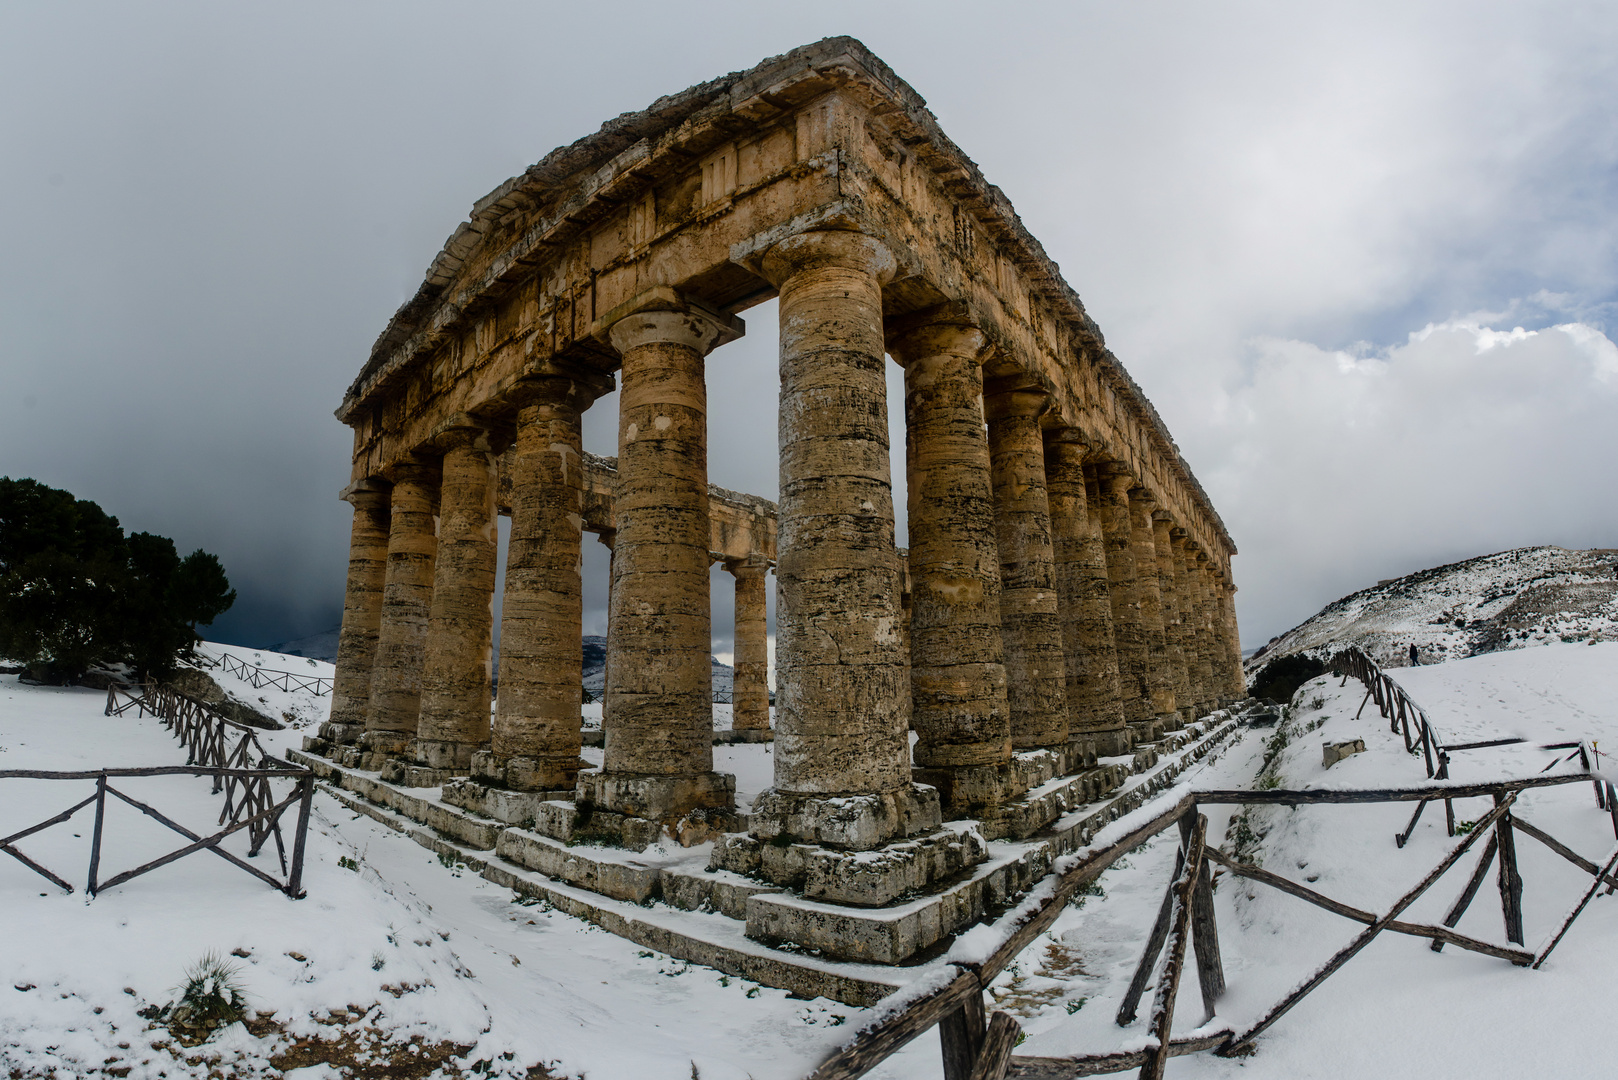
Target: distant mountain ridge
{"points": [[1508, 600], [324, 647]]}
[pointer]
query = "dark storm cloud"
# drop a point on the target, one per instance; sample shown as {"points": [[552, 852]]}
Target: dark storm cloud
{"points": [[208, 212]]}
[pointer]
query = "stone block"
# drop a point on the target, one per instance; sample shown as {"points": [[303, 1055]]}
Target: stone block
{"points": [[313, 745], [1332, 753], [657, 798], [851, 822], [341, 734], [600, 870], [878, 878], [511, 807], [711, 890]]}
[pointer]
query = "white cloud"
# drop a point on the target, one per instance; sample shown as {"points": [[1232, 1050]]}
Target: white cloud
{"points": [[1336, 468]]}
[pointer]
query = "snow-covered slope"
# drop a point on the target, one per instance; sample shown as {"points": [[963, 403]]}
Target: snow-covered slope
{"points": [[1509, 600]]}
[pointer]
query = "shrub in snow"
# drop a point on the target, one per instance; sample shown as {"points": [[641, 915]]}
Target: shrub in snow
{"points": [[211, 996]]}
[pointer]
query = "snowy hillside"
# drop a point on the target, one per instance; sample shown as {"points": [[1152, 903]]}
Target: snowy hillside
{"points": [[1509, 600]]}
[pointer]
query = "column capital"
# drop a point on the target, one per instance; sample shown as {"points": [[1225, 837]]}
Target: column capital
{"points": [[828, 248], [465, 431], [577, 388], [947, 329], [664, 315], [369, 493], [1179, 535], [1003, 399], [413, 468]]}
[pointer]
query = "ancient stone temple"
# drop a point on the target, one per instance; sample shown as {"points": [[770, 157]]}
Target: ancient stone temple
{"points": [[1065, 599]]}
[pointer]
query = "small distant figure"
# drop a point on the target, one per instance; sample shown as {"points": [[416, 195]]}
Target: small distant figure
{"points": [[1415, 657]]}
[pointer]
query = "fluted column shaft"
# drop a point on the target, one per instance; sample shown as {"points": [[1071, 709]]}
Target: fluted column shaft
{"points": [[1236, 682], [840, 725], [1094, 697], [362, 614], [957, 675], [1174, 620], [1159, 680], [1191, 603], [460, 626], [536, 736], [750, 688], [1030, 624], [1123, 593], [659, 722], [407, 598]]}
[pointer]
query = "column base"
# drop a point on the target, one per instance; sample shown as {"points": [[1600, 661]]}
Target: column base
{"points": [[851, 822], [1112, 742], [693, 808], [341, 734], [524, 773], [976, 790], [443, 755], [521, 808], [855, 878]]}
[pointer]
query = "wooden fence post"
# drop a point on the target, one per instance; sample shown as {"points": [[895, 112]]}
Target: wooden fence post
{"points": [[1510, 880], [1204, 931], [960, 1035], [95, 835], [295, 876]]}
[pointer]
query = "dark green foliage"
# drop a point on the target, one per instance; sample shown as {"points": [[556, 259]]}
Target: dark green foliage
{"points": [[75, 592], [1279, 679]]}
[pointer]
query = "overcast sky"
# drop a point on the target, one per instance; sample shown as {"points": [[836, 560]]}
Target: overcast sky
{"points": [[1360, 256]]}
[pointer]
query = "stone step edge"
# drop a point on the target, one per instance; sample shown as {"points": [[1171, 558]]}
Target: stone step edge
{"points": [[999, 875], [803, 976]]}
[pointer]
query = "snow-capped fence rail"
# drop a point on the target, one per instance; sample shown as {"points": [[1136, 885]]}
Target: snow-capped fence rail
{"points": [[241, 769], [262, 824], [952, 999], [1398, 708], [258, 678]]}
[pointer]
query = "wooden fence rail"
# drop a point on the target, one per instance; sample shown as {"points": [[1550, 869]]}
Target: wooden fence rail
{"points": [[258, 677], [1399, 708], [972, 1048]]}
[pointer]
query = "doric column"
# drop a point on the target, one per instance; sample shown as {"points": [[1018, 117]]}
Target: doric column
{"points": [[1159, 680], [659, 727], [957, 674], [407, 597], [1196, 659], [460, 626], [840, 724], [534, 745], [1235, 680], [750, 688], [1094, 701], [362, 612], [1036, 674], [1174, 620], [1123, 593]]}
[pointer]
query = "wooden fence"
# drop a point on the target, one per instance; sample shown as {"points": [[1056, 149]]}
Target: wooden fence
{"points": [[216, 747], [976, 1050], [1401, 711], [258, 677]]}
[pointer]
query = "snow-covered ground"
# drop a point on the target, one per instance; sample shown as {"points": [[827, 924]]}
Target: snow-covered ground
{"points": [[519, 979]]}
